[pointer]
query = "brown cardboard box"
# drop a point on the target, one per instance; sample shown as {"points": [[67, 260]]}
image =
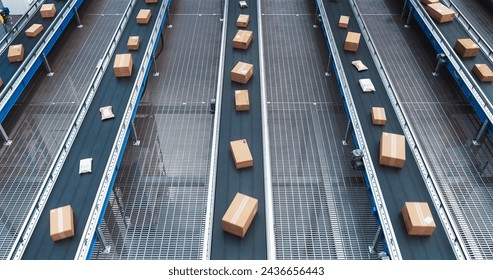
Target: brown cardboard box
{"points": [[418, 218], [123, 65], [1, 83], [426, 2], [466, 47], [151, 1], [47, 10], [242, 72], [242, 39], [62, 223], [440, 12], [483, 72], [239, 215], [352, 41], [144, 16], [241, 154], [343, 21], [242, 101], [34, 30], [133, 43], [16, 53], [378, 116], [242, 20], [392, 149]]}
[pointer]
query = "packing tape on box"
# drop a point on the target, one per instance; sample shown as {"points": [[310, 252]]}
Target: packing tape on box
{"points": [[122, 59], [424, 220], [393, 149], [379, 114], [238, 212]]}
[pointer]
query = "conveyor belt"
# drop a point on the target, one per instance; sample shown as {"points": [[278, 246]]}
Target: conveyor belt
{"points": [[17, 75], [397, 185], [480, 17], [234, 126], [94, 139]]}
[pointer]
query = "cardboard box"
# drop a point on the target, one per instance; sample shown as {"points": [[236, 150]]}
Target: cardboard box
{"points": [[1, 83], [34, 30], [16, 53], [483, 72], [242, 39], [151, 1], [239, 215], [62, 223], [440, 12], [242, 72], [343, 21], [47, 10], [352, 41], [144, 16], [133, 43], [123, 65], [241, 154], [418, 218], [378, 116], [426, 2], [242, 101], [392, 149], [466, 47], [242, 20]]}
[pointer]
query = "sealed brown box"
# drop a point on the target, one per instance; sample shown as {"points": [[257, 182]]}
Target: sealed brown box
{"points": [[123, 65], [133, 43], [440, 12], [242, 102], [392, 149], [343, 21], [34, 30], [151, 1], [378, 116], [144, 16], [242, 39], [241, 154], [62, 223], [483, 72], [466, 47], [418, 218], [352, 41], [239, 215], [426, 2], [16, 53], [242, 20], [242, 72], [47, 10]]}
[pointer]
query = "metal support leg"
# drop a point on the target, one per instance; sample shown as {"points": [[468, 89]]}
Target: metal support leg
{"points": [[442, 59], [404, 9], [348, 128], [168, 19], [376, 239], [317, 16], [102, 241], [328, 73], [136, 141], [77, 18], [408, 21], [154, 62], [478, 139], [8, 141], [47, 65]]}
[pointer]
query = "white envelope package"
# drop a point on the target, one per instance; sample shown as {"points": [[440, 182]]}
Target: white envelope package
{"points": [[85, 166], [366, 85]]}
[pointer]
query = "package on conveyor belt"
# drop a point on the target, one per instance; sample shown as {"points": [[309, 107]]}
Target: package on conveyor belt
{"points": [[133, 43], [242, 20], [123, 65], [366, 85], [241, 154], [359, 65], [85, 166], [343, 21], [151, 1], [426, 2], [242, 102], [243, 4], [34, 30], [242, 39], [466, 47], [378, 116], [144, 16], [242, 72], [392, 149], [106, 112], [418, 218], [239, 215], [352, 41], [62, 223], [440, 12], [47, 10], [483, 72], [16, 53]]}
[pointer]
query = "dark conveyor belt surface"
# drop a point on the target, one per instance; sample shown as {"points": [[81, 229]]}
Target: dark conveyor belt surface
{"points": [[480, 16], [398, 185], [234, 126], [94, 140]]}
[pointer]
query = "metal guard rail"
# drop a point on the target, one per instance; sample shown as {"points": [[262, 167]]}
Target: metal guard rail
{"points": [[49, 182], [376, 191]]}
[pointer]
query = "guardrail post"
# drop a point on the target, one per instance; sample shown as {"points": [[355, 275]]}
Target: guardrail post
{"points": [[476, 141], [77, 18], [442, 59], [8, 141], [47, 65]]}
